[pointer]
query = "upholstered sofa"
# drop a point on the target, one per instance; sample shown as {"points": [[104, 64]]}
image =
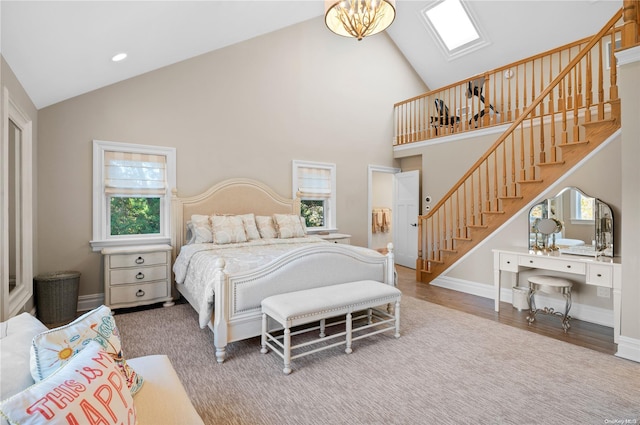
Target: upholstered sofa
{"points": [[160, 399]]}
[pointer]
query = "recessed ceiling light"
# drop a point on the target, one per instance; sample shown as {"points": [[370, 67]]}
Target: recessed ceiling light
{"points": [[119, 57]]}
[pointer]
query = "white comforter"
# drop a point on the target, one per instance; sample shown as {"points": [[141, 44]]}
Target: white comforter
{"points": [[195, 265]]}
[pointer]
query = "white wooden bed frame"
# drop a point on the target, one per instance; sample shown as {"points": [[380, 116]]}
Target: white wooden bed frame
{"points": [[317, 265]]}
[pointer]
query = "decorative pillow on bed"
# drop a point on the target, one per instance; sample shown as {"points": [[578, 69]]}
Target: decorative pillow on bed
{"points": [[250, 226], [228, 229], [303, 223], [56, 347], [266, 227], [288, 226], [202, 228], [87, 389]]}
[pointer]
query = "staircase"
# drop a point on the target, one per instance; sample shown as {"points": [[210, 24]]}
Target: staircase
{"points": [[575, 113]]}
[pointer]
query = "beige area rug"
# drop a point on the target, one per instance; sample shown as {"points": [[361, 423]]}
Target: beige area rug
{"points": [[448, 367]]}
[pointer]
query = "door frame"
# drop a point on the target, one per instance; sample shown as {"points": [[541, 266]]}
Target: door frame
{"points": [[377, 169]]}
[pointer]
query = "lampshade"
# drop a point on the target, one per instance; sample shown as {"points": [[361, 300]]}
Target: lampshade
{"points": [[359, 18]]}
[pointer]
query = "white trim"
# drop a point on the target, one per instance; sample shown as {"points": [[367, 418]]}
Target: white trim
{"points": [[370, 170], [628, 348], [330, 216], [89, 302], [587, 313], [627, 56], [13, 302], [101, 238]]}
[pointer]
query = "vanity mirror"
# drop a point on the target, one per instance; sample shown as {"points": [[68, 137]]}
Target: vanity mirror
{"points": [[573, 223]]}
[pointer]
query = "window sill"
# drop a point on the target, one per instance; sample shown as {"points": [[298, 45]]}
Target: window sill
{"points": [[98, 245]]}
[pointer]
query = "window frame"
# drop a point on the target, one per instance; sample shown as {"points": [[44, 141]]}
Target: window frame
{"points": [[101, 205], [330, 215], [576, 206]]}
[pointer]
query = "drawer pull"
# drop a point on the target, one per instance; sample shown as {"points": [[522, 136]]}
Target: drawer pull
{"points": [[599, 275], [140, 275], [139, 260], [569, 266], [508, 262], [530, 261], [140, 293]]}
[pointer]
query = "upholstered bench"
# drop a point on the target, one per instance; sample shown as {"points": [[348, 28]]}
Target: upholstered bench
{"points": [[295, 309]]}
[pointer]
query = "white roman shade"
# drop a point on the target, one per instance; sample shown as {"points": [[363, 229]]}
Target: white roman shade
{"points": [[314, 182], [129, 173]]}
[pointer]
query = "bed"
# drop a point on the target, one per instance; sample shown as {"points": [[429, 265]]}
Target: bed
{"points": [[225, 279]]}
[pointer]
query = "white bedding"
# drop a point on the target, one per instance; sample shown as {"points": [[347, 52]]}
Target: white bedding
{"points": [[195, 265]]}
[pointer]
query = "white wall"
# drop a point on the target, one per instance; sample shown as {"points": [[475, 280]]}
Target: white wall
{"points": [[246, 110]]}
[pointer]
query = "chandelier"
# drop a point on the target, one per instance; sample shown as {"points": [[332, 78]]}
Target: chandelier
{"points": [[359, 18]]}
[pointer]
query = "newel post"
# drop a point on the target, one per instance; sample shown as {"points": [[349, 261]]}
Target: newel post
{"points": [[630, 29]]}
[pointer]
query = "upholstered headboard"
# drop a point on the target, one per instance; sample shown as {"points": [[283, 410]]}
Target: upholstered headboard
{"points": [[233, 196]]}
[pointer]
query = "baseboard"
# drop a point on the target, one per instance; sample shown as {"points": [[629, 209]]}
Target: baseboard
{"points": [[587, 313], [628, 348], [89, 302]]}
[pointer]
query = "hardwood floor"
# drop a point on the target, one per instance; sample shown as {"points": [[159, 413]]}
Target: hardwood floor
{"points": [[585, 334]]}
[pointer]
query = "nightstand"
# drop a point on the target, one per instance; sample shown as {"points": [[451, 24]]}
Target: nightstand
{"points": [[336, 238], [137, 275]]}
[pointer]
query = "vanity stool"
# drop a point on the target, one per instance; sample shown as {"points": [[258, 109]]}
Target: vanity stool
{"points": [[550, 285]]}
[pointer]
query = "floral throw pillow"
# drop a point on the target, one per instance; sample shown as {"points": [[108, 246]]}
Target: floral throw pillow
{"points": [[56, 347], [288, 225], [266, 227], [250, 226], [201, 228], [228, 229], [89, 388]]}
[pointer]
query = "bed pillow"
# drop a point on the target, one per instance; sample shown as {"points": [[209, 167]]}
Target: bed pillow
{"points": [[56, 347], [228, 229], [191, 233], [288, 226], [250, 226], [87, 389], [202, 228], [303, 223], [266, 227]]}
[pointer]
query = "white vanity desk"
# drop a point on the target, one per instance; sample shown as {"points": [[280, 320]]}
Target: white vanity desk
{"points": [[602, 271]]}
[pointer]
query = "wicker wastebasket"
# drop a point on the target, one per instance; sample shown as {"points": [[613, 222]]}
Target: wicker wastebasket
{"points": [[57, 296]]}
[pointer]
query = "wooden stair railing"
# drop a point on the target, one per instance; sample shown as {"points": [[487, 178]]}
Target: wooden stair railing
{"points": [[570, 117], [509, 89]]}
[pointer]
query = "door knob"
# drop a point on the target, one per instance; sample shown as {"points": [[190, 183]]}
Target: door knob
{"points": [[414, 224]]}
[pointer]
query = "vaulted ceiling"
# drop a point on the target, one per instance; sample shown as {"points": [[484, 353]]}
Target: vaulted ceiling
{"points": [[60, 49]]}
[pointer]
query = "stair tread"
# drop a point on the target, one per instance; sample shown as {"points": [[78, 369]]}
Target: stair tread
{"points": [[529, 181], [492, 212], [515, 197], [551, 163]]}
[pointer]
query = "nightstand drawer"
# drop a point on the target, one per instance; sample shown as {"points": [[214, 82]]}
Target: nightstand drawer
{"points": [[140, 259], [137, 293], [138, 274]]}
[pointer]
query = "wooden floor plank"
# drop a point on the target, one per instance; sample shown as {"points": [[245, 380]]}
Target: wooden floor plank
{"points": [[584, 334]]}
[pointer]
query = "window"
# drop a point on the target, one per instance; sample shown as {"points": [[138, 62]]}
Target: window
{"points": [[315, 184], [581, 209], [132, 193], [453, 27]]}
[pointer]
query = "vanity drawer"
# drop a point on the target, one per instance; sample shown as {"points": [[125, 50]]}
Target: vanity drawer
{"points": [[509, 262], [138, 274], [138, 293], [555, 264], [599, 275], [138, 259]]}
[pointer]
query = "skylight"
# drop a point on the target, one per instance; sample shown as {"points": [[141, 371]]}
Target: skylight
{"points": [[453, 27]]}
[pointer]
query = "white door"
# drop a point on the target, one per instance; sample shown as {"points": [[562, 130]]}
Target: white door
{"points": [[406, 198]]}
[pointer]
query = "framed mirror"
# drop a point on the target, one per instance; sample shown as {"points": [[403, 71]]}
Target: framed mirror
{"points": [[572, 222], [16, 224]]}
